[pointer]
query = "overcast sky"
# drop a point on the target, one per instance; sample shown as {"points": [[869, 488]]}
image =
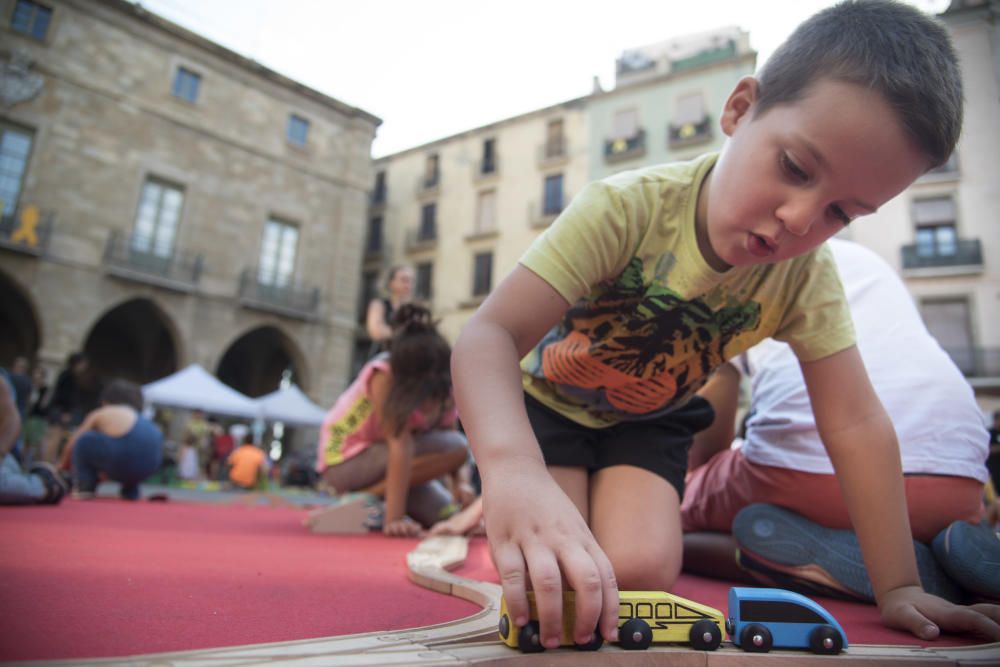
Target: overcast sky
{"points": [[432, 68]]}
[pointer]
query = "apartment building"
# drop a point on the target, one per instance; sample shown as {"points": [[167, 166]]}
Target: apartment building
{"points": [[666, 101], [168, 201], [463, 209], [943, 233]]}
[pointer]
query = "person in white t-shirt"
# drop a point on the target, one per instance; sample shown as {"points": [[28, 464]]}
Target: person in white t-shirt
{"points": [[803, 530]]}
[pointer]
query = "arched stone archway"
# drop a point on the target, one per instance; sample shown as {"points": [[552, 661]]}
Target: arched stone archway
{"points": [[20, 330], [256, 361], [135, 340]]}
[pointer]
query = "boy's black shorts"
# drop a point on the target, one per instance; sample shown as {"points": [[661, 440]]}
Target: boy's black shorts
{"points": [[658, 445]]}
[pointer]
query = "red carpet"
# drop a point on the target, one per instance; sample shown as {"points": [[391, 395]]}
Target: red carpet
{"points": [[110, 578]]}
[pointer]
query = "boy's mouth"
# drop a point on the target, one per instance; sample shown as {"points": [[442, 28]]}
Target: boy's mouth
{"points": [[760, 246]]}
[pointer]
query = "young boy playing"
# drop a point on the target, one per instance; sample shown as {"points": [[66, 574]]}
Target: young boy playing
{"points": [[651, 279]]}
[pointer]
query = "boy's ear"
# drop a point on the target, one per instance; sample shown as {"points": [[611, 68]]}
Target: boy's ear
{"points": [[740, 104]]}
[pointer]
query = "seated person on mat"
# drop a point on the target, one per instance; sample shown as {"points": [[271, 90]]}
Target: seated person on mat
{"points": [[42, 484], [802, 532], [116, 442], [248, 465], [392, 432]]}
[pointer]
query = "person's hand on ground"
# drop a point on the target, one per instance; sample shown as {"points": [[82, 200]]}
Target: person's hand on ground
{"points": [[404, 527], [912, 609]]}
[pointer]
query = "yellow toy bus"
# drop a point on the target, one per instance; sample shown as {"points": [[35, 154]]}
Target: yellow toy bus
{"points": [[643, 617]]}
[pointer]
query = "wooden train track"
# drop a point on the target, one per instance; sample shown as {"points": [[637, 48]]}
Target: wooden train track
{"points": [[473, 640]]}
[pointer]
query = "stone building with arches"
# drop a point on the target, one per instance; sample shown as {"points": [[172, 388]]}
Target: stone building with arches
{"points": [[168, 201]]}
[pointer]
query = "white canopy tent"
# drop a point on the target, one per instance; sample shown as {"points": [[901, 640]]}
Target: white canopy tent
{"points": [[291, 406], [195, 388]]}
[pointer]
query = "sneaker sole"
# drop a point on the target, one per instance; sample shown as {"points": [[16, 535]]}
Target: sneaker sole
{"points": [[784, 542], [971, 556]]}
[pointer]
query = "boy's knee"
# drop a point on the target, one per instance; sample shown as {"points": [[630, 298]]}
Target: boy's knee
{"points": [[643, 567]]}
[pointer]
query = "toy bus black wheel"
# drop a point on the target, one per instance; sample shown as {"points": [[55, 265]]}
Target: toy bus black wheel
{"points": [[825, 640], [529, 638], [756, 639], [705, 636], [596, 642], [504, 627], [635, 635]]}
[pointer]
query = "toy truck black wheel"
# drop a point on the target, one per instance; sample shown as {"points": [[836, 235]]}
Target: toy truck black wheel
{"points": [[596, 642], [529, 638], [756, 639], [635, 635], [705, 636], [825, 640]]}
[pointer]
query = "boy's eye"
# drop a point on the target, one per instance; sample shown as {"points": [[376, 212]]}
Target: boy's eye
{"points": [[840, 215], [793, 169]]}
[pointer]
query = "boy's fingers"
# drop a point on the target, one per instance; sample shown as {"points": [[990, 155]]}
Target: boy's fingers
{"points": [[510, 566], [583, 576], [546, 581], [609, 591], [972, 621], [908, 617]]}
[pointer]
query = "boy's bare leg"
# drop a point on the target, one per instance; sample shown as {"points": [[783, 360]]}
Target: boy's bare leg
{"points": [[713, 555], [635, 516]]}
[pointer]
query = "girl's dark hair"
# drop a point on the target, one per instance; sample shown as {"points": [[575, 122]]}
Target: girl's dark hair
{"points": [[420, 359], [122, 392]]}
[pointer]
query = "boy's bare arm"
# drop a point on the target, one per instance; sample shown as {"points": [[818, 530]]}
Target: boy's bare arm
{"points": [[536, 534], [862, 445]]}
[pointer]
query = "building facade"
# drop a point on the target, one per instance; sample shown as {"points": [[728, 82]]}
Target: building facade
{"points": [[168, 201], [462, 210], [666, 101]]}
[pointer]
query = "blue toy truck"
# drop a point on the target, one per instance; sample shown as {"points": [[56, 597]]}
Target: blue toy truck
{"points": [[764, 618]]}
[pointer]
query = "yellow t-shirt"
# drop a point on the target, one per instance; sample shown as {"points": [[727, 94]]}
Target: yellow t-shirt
{"points": [[650, 319]]}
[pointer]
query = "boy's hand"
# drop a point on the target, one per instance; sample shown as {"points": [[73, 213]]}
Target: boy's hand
{"points": [[925, 615], [537, 536]]}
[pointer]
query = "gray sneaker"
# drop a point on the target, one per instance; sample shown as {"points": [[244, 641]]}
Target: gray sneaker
{"points": [[808, 557], [970, 554]]}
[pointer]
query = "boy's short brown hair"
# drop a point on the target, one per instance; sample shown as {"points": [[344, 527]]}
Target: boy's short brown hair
{"points": [[886, 46]]}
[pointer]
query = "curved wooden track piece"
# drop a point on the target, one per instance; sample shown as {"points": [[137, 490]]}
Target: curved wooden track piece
{"points": [[473, 640]]}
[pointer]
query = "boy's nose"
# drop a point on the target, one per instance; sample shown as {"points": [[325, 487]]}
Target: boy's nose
{"points": [[797, 217]]}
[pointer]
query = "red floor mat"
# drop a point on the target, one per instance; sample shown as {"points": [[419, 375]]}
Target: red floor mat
{"points": [[110, 578]]}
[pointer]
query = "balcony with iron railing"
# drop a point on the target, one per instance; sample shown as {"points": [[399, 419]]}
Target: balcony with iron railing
{"points": [[429, 185], [485, 170], [542, 214], [625, 148], [978, 364], [138, 258], [27, 230], [553, 152], [293, 300], [689, 134], [961, 257], [421, 239]]}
